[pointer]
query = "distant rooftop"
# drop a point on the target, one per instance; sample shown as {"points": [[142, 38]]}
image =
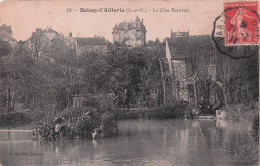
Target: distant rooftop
{"points": [[48, 32], [91, 41], [179, 34], [6, 29], [184, 47], [130, 25]]}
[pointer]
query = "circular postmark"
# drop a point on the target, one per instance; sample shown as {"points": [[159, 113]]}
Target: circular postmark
{"points": [[236, 32]]}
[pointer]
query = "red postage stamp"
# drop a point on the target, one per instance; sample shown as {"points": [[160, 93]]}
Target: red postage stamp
{"points": [[241, 23]]}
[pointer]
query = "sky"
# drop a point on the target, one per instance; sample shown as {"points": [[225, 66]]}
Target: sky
{"points": [[25, 16]]}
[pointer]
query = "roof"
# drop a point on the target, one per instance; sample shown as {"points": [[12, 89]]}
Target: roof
{"points": [[137, 19], [6, 36], [6, 29], [91, 41], [126, 25], [179, 34], [50, 36], [48, 32], [184, 47], [130, 25]]}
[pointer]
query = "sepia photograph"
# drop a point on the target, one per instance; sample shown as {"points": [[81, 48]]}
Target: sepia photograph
{"points": [[129, 83]]}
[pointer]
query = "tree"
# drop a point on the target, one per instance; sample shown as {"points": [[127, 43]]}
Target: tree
{"points": [[16, 77], [5, 48]]}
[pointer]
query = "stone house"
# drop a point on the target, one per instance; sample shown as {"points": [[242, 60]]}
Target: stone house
{"points": [[131, 33], [95, 44], [6, 34], [189, 57], [41, 41]]}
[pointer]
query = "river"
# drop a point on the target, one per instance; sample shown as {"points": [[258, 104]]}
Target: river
{"points": [[178, 142]]}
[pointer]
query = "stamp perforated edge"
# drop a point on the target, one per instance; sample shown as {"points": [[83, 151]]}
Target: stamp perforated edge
{"points": [[256, 12]]}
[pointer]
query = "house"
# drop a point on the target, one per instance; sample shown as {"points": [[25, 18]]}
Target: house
{"points": [[180, 69], [131, 33], [95, 44], [41, 41], [189, 57], [6, 34]]}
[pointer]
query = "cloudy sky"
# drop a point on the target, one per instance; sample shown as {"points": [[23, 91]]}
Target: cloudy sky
{"points": [[26, 16]]}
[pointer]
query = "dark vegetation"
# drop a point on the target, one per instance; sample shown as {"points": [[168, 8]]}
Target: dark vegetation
{"points": [[14, 118], [48, 82], [44, 82], [80, 125], [162, 112]]}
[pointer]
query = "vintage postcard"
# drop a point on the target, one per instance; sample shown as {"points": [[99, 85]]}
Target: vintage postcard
{"points": [[129, 83]]}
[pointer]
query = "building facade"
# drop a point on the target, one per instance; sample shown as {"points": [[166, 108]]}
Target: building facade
{"points": [[189, 58], [180, 70], [95, 44], [131, 33], [6, 34]]}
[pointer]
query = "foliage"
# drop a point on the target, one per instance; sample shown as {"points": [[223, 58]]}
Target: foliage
{"points": [[82, 125], [47, 77], [134, 71], [242, 111], [5, 48], [162, 112]]}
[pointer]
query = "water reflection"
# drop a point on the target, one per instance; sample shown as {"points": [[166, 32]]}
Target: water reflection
{"points": [[142, 142]]}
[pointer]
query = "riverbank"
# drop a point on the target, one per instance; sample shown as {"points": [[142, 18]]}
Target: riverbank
{"points": [[236, 112], [163, 112], [20, 117], [242, 112], [14, 118]]}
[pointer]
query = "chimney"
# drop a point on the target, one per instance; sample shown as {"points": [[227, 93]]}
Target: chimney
{"points": [[38, 29], [70, 34], [142, 20]]}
